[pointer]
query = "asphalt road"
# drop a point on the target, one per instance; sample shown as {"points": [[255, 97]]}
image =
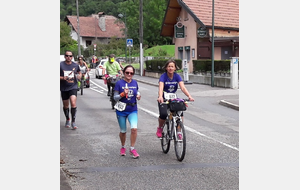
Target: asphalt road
{"points": [[91, 153]]}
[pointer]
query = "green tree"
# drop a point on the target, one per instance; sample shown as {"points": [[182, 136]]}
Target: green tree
{"points": [[66, 41]]}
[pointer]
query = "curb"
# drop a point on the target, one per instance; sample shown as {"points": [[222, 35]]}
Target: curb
{"points": [[64, 185], [228, 104], [150, 83]]}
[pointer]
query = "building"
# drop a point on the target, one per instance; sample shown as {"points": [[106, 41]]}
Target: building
{"points": [[97, 27], [189, 22]]}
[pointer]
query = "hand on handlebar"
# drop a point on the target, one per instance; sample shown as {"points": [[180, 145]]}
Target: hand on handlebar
{"points": [[191, 99], [160, 99]]}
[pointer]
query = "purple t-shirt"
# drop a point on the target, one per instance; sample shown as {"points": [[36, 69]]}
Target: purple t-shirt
{"points": [[70, 71], [133, 89], [170, 85]]}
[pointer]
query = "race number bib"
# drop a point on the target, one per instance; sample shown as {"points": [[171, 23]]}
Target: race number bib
{"points": [[170, 95], [120, 106]]}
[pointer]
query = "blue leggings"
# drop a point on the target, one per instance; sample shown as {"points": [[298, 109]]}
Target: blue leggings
{"points": [[132, 118]]}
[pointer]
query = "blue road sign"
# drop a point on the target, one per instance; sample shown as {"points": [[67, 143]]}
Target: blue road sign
{"points": [[129, 42]]}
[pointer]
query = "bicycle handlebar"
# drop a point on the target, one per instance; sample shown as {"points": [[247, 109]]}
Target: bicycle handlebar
{"points": [[166, 101]]}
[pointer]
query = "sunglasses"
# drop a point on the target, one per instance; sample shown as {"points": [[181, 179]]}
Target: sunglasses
{"points": [[127, 73], [69, 55]]}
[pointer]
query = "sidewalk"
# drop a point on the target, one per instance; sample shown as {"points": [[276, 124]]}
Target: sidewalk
{"points": [[231, 103]]}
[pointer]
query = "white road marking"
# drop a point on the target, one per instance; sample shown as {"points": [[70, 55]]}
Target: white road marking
{"points": [[192, 130]]}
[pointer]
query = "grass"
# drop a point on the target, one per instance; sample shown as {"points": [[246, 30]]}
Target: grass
{"points": [[135, 65], [154, 51]]}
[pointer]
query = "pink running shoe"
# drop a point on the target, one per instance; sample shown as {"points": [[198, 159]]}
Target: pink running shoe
{"points": [[123, 151], [159, 132], [179, 135], [134, 153]]}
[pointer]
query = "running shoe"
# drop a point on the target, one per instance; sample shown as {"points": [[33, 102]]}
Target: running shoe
{"points": [[159, 132], [74, 126], [134, 153], [67, 125], [179, 135], [123, 151]]}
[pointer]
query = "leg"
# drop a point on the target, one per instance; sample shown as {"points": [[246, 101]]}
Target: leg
{"points": [[163, 113], [122, 134], [133, 120], [65, 100], [73, 99], [108, 88]]}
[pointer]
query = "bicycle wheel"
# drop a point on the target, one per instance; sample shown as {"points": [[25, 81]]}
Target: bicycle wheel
{"points": [[180, 145], [81, 87], [165, 140]]}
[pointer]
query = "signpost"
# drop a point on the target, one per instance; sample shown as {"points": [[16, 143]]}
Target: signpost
{"points": [[129, 43], [201, 32], [179, 30]]}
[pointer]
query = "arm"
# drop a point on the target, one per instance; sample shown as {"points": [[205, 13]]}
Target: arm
{"points": [[160, 98], [87, 68], [121, 65], [185, 91]]}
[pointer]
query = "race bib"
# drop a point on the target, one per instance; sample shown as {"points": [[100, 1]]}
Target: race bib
{"points": [[170, 95], [120, 106]]}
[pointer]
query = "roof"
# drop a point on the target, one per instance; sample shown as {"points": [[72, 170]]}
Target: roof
{"points": [[89, 26], [226, 13]]}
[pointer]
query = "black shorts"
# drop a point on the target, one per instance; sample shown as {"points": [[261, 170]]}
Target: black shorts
{"points": [[65, 95]]}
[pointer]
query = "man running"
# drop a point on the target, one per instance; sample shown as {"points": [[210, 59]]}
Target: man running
{"points": [[69, 75]]}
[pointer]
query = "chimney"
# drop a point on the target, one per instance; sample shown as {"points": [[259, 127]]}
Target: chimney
{"points": [[102, 21]]}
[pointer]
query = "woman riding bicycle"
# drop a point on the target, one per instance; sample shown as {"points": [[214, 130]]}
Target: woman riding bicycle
{"points": [[83, 68], [168, 82]]}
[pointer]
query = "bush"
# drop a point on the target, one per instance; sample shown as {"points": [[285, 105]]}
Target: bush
{"points": [[205, 65], [156, 65]]}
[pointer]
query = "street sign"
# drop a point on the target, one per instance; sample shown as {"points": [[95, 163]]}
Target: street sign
{"points": [[201, 32], [129, 42]]}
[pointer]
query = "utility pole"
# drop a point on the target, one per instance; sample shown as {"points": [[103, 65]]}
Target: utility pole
{"points": [[141, 38], [212, 47], [78, 29]]}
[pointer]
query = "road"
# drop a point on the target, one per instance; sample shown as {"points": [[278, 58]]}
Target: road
{"points": [[91, 153]]}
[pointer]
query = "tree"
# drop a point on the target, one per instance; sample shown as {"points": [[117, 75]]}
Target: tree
{"points": [[66, 41]]}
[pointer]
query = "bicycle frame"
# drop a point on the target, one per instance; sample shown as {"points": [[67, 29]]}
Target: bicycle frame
{"points": [[174, 117], [170, 132]]}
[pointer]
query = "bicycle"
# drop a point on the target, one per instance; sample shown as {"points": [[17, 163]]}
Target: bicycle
{"points": [[112, 80], [173, 128], [84, 81]]}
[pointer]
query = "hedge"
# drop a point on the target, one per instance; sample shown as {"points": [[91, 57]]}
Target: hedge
{"points": [[156, 65], [205, 65]]}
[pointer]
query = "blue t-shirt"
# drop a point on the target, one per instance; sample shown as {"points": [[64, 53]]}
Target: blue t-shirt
{"points": [[170, 85], [133, 89], [70, 71]]}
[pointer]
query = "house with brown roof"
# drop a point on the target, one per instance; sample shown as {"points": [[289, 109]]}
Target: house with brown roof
{"points": [[189, 22], [97, 27]]}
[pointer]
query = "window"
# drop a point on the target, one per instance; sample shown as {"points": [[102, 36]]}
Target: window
{"points": [[180, 52], [88, 43], [187, 52]]}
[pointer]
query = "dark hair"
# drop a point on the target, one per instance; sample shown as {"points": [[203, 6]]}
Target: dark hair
{"points": [[170, 61], [127, 67], [111, 55], [68, 51]]}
